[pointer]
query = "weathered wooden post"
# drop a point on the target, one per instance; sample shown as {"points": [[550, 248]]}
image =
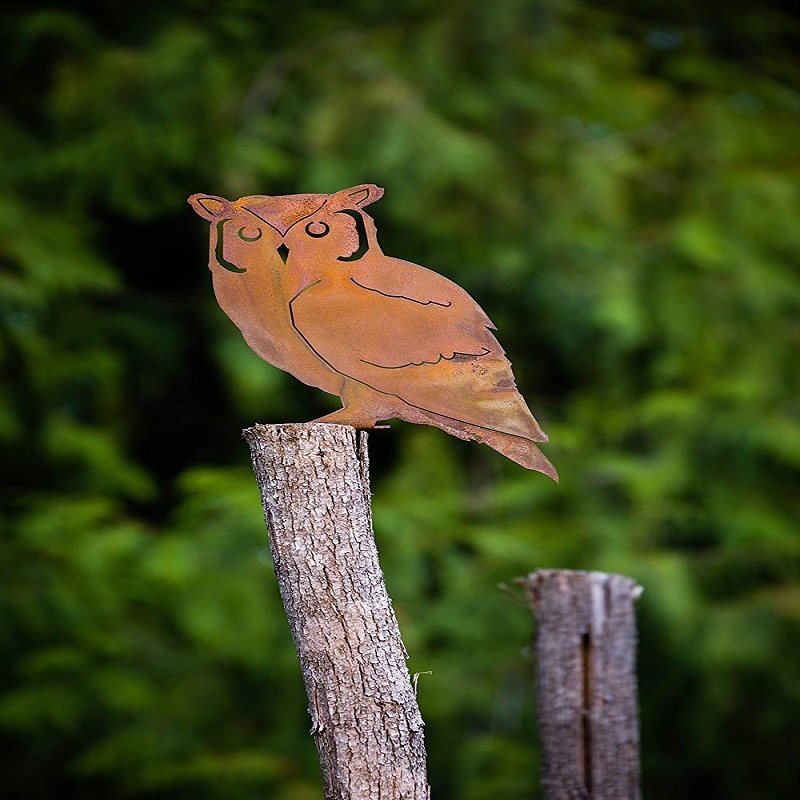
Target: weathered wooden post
{"points": [[585, 649], [314, 481]]}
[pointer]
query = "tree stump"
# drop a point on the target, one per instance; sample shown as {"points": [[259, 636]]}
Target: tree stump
{"points": [[314, 482], [585, 649]]}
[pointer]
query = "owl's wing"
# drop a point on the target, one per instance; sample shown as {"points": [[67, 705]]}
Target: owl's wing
{"points": [[393, 277], [407, 331]]}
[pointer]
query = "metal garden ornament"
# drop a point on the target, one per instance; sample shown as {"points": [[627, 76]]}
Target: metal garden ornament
{"points": [[305, 280]]}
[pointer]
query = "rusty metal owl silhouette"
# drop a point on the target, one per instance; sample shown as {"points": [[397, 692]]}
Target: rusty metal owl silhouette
{"points": [[305, 280]]}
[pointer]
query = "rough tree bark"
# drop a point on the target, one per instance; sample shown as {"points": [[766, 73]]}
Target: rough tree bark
{"points": [[314, 481], [586, 684]]}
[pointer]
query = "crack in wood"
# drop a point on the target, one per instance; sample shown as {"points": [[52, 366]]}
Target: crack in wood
{"points": [[586, 710]]}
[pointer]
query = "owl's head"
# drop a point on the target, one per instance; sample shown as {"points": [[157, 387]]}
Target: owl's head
{"points": [[322, 227]]}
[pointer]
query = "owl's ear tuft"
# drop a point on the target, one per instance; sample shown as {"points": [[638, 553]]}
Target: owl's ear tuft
{"points": [[358, 196], [209, 206]]}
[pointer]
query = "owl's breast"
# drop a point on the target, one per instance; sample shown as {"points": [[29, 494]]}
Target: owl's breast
{"points": [[257, 301]]}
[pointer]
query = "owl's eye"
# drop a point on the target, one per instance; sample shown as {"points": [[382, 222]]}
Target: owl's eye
{"points": [[245, 238], [317, 229]]}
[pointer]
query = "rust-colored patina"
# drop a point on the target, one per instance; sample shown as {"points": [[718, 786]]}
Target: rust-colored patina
{"points": [[304, 279]]}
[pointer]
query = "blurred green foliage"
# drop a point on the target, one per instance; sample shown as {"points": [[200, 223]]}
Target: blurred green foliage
{"points": [[617, 183]]}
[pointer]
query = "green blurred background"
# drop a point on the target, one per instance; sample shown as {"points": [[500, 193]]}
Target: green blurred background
{"points": [[615, 182]]}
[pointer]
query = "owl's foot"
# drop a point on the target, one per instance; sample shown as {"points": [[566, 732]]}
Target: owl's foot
{"points": [[352, 416], [363, 407]]}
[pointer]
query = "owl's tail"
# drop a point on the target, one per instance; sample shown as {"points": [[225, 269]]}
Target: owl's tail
{"points": [[519, 449]]}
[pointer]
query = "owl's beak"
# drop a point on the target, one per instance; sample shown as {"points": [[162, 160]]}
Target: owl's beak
{"points": [[283, 252]]}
